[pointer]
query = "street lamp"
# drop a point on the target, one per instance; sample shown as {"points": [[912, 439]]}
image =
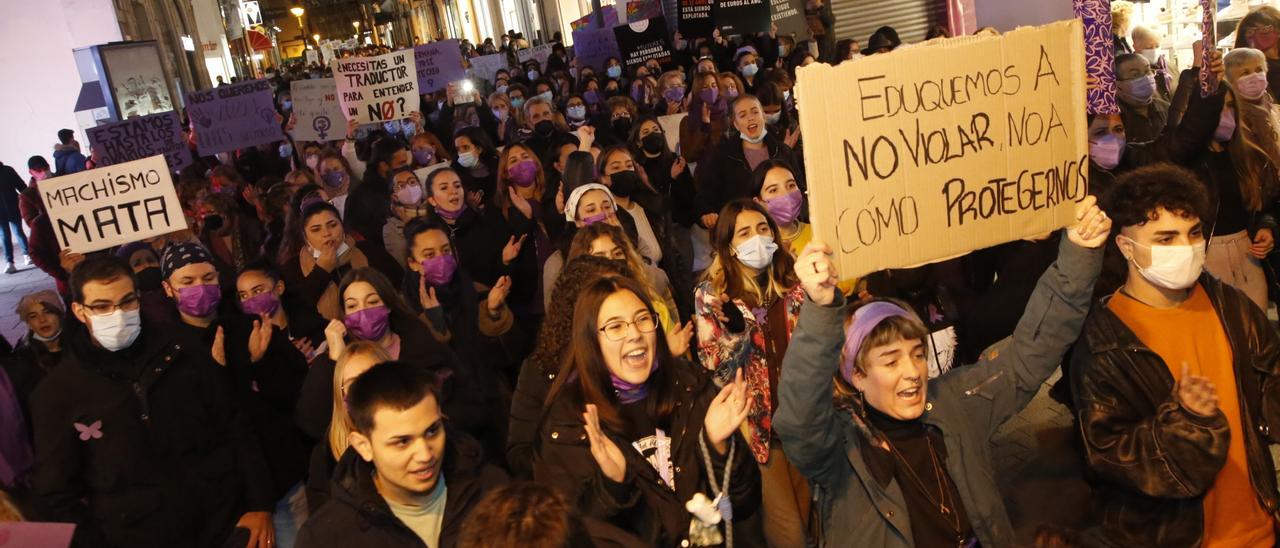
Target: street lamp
{"points": [[316, 37], [297, 11]]}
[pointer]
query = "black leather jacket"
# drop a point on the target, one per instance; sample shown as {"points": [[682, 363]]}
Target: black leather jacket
{"points": [[1150, 460]]}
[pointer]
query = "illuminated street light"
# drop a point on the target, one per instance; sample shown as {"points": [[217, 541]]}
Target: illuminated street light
{"points": [[297, 11]]}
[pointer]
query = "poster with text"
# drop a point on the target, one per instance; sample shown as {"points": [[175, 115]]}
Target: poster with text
{"points": [[317, 111], [377, 89], [142, 137], [113, 205], [438, 63], [233, 116], [642, 41], [788, 15], [930, 152], [695, 19], [485, 67], [313, 57], [538, 53], [740, 16], [593, 47]]}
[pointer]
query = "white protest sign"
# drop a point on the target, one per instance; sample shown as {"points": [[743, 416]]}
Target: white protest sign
{"points": [[671, 128], [315, 106], [486, 66], [538, 53], [377, 89], [114, 205], [326, 53], [312, 57], [931, 152]]}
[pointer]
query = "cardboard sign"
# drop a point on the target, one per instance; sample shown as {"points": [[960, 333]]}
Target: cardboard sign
{"points": [[931, 152], [639, 10], [142, 137], [487, 66], [114, 205], [740, 16], [695, 19], [316, 109], [378, 89], [671, 129], [594, 47], [438, 63], [642, 41], [788, 16], [233, 116]]}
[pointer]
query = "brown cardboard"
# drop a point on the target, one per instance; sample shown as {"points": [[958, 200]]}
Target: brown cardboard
{"points": [[898, 201]]}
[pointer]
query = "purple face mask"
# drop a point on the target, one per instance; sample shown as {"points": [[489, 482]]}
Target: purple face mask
{"points": [[709, 95], [199, 300], [598, 217], [424, 156], [591, 96], [334, 178], [785, 208], [673, 94], [439, 270], [523, 173], [266, 302], [1106, 151], [369, 324], [451, 215]]}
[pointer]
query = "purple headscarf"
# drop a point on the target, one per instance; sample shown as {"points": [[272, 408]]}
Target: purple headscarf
{"points": [[865, 319]]}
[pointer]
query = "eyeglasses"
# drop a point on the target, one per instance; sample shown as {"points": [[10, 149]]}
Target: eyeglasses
{"points": [[618, 330], [128, 304]]}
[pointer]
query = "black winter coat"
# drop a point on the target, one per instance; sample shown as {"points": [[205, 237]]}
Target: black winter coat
{"points": [[143, 447], [11, 186], [642, 504], [357, 515], [727, 175]]}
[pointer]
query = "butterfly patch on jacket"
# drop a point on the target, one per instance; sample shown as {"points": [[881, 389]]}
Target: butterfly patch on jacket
{"points": [[90, 432]]}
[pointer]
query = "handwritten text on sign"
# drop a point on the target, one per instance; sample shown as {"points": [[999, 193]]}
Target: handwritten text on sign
{"points": [[114, 205], [377, 89], [438, 63], [233, 116], [940, 150], [142, 137], [316, 109]]}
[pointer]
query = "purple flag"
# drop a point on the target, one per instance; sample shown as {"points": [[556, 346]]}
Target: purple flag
{"points": [[1099, 55], [142, 137], [439, 63], [1209, 40], [233, 116]]}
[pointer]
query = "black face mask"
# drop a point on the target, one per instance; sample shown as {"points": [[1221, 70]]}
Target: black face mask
{"points": [[149, 278], [213, 223], [544, 128], [653, 143], [624, 183], [621, 125]]}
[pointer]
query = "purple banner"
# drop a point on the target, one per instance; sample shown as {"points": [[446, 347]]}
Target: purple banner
{"points": [[233, 116], [438, 64], [1099, 55], [593, 47], [142, 137], [1209, 41]]}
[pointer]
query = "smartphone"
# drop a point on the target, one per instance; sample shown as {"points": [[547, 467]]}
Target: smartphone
{"points": [[737, 322]]}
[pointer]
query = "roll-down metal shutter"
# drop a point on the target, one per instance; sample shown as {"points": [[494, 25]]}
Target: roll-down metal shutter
{"points": [[857, 19]]}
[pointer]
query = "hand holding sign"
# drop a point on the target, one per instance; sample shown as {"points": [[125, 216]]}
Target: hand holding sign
{"points": [[377, 89]]}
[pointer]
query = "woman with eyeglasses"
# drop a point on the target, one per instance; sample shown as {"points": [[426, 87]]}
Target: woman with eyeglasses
{"points": [[631, 433]]}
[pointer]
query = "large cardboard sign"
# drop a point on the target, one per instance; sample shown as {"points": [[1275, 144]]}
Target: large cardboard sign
{"points": [[378, 89], [438, 63], [594, 47], [930, 152], [741, 16], [114, 205], [233, 116], [642, 41], [142, 137], [486, 67], [695, 18], [315, 106]]}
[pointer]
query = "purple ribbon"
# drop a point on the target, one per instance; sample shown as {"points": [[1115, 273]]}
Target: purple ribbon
{"points": [[865, 319]]}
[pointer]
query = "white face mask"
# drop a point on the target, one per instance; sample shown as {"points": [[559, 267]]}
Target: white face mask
{"points": [[342, 250], [1149, 54], [116, 330], [757, 252], [1172, 266]]}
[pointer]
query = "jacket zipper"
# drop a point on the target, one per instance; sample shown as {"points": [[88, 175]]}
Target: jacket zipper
{"points": [[980, 385]]}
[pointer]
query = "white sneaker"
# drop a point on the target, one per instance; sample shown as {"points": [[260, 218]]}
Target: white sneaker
{"points": [[12, 269], [26, 260]]}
